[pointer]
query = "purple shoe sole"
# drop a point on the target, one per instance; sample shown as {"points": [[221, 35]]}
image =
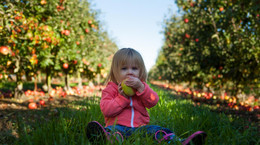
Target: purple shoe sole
{"points": [[197, 138], [95, 132]]}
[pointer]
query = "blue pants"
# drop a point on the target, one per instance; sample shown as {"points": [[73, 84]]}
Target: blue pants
{"points": [[149, 130]]}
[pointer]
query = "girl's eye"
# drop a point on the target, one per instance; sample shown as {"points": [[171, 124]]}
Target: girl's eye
{"points": [[135, 68], [123, 68]]}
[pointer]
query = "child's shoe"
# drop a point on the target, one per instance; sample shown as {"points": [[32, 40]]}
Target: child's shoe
{"points": [[168, 137], [197, 138], [96, 133]]}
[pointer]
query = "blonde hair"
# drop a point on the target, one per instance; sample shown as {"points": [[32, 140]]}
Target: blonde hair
{"points": [[126, 56]]}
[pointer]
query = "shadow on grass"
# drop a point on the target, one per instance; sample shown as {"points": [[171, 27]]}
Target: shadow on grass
{"points": [[23, 126], [65, 124]]}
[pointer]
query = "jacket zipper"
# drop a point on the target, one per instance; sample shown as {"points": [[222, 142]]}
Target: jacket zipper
{"points": [[133, 113]]}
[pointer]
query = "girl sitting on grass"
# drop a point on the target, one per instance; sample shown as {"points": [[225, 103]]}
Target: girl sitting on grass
{"points": [[126, 114]]}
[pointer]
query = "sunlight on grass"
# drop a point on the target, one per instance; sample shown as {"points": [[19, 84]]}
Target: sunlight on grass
{"points": [[184, 118], [66, 125]]}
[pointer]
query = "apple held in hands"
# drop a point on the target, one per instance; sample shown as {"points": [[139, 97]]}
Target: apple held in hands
{"points": [[127, 90]]}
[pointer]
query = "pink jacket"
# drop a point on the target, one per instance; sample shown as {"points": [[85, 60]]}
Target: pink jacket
{"points": [[127, 112]]}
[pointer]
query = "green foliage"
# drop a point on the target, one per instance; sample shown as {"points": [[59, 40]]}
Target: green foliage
{"points": [[213, 42], [43, 35]]}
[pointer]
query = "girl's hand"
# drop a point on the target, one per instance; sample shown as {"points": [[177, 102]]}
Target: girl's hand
{"points": [[135, 83], [121, 92]]}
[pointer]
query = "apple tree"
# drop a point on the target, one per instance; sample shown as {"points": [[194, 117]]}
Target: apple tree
{"points": [[50, 37], [214, 44]]}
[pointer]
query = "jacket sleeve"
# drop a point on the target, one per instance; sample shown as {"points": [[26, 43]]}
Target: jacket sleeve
{"points": [[112, 103], [148, 96]]}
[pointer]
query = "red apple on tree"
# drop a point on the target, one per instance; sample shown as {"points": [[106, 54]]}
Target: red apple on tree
{"points": [[87, 30], [66, 32], [4, 50], [186, 20], [191, 4], [187, 35], [65, 65], [89, 22], [43, 2], [13, 54], [60, 8]]}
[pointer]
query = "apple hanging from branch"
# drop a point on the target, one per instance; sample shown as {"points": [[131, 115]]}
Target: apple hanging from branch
{"points": [[65, 65], [4, 50], [186, 20]]}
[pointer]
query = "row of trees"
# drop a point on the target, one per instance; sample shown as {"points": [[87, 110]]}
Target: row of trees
{"points": [[52, 37], [214, 45]]}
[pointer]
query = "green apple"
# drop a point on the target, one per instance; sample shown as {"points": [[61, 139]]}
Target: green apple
{"points": [[127, 90]]}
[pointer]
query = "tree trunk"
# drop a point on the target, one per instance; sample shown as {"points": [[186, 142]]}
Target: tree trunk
{"points": [[98, 79], [47, 85], [35, 82], [67, 83], [19, 86], [18, 92], [39, 77], [79, 80]]}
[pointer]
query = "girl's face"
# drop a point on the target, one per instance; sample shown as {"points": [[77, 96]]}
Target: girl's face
{"points": [[128, 70]]}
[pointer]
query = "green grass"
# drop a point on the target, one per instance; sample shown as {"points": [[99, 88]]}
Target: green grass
{"points": [[65, 126]]}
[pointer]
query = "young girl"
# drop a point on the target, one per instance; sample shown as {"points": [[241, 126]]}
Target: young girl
{"points": [[125, 115]]}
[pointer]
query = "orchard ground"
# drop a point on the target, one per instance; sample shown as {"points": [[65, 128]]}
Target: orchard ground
{"points": [[11, 107], [13, 110]]}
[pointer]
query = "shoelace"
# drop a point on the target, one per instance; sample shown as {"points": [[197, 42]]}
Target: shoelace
{"points": [[165, 137]]}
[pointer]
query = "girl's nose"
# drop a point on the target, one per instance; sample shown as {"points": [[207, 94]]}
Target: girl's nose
{"points": [[129, 72]]}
